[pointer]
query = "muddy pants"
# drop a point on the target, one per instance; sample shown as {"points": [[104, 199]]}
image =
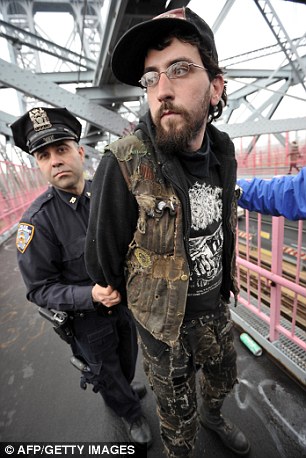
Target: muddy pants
{"points": [[171, 372]]}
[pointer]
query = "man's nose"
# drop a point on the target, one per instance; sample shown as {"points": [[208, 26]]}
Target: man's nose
{"points": [[165, 88]]}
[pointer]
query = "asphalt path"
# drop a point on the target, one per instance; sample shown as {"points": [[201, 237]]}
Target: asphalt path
{"points": [[41, 400]]}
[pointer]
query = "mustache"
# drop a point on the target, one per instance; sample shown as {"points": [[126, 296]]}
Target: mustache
{"points": [[169, 106]]}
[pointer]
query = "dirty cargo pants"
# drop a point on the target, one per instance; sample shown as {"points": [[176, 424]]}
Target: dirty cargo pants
{"points": [[171, 373]]}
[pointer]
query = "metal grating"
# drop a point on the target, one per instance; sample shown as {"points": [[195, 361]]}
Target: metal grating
{"points": [[290, 355]]}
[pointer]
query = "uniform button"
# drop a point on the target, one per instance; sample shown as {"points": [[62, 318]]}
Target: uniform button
{"points": [[109, 312], [81, 315], [184, 277]]}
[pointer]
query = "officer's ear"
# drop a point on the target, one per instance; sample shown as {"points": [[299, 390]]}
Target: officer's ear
{"points": [[81, 152]]}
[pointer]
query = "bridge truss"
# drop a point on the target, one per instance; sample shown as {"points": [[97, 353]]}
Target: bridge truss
{"points": [[68, 64]]}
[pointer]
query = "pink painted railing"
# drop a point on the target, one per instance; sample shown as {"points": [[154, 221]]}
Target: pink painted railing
{"points": [[275, 275], [267, 161], [19, 186]]}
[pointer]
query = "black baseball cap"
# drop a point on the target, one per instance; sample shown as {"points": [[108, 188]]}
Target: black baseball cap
{"points": [[130, 51], [42, 126]]}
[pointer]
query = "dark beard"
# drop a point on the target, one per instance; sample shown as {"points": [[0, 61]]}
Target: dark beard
{"points": [[174, 140]]}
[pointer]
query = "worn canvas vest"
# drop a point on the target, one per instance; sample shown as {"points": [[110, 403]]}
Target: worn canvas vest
{"points": [[157, 271]]}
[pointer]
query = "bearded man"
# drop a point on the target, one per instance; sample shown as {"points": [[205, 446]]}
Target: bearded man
{"points": [[164, 217]]}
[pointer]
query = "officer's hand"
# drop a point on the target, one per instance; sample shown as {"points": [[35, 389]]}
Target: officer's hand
{"points": [[107, 296]]}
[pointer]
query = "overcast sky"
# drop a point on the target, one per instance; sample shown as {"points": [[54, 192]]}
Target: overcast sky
{"points": [[244, 28]]}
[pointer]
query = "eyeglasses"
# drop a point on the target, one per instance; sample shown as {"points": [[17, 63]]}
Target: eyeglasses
{"points": [[176, 70]]}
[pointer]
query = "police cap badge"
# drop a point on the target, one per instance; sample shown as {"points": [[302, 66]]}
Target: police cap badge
{"points": [[42, 126]]}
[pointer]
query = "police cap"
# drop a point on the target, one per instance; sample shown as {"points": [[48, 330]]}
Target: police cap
{"points": [[42, 126]]}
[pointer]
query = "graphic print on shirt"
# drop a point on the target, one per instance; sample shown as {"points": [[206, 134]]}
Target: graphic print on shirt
{"points": [[206, 239]]}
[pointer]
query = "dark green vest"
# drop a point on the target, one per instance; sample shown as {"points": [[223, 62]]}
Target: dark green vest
{"points": [[157, 271]]}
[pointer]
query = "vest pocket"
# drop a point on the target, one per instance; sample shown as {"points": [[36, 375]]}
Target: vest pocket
{"points": [[156, 223]]}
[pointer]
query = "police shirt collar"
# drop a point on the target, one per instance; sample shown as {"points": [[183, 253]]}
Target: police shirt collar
{"points": [[72, 199]]}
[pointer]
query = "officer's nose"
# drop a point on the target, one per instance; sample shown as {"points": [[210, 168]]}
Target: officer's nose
{"points": [[56, 160]]}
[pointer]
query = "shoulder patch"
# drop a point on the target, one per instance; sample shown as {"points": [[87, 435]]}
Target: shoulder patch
{"points": [[24, 236]]}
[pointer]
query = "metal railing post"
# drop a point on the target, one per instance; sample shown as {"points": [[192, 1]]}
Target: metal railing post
{"points": [[276, 268]]}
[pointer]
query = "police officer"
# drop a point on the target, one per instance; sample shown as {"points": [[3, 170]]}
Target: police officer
{"points": [[50, 248]]}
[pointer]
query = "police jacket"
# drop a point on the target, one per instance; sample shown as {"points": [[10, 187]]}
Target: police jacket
{"points": [[50, 250], [140, 224], [285, 195]]}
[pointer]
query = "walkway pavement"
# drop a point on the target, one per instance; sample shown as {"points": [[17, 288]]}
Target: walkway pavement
{"points": [[41, 400]]}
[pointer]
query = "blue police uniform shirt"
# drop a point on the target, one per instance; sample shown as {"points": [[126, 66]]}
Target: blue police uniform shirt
{"points": [[50, 245]]}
